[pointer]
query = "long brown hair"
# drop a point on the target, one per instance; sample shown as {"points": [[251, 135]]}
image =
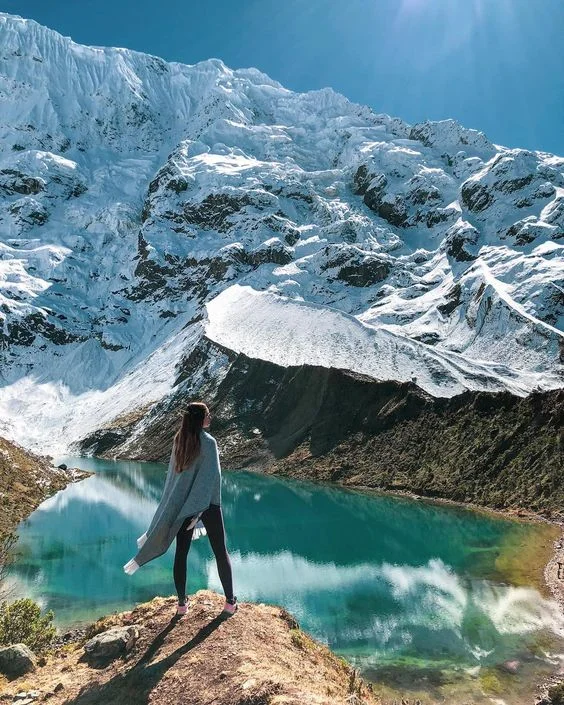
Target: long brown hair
{"points": [[187, 438]]}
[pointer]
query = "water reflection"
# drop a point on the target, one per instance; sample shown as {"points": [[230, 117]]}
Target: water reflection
{"points": [[385, 581]]}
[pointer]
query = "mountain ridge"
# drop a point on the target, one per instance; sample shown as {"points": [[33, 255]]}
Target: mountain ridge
{"points": [[136, 192]]}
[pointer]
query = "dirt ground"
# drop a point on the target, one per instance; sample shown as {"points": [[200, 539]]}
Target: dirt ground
{"points": [[259, 656]]}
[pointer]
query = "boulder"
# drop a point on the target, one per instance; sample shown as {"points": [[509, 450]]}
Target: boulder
{"points": [[16, 660], [110, 644]]}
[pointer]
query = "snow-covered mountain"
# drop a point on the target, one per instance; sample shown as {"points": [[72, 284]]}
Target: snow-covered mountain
{"points": [[147, 205]]}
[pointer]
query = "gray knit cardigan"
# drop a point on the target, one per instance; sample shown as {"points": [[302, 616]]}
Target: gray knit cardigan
{"points": [[186, 494]]}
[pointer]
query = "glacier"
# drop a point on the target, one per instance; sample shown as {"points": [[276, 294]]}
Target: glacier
{"points": [[147, 205]]}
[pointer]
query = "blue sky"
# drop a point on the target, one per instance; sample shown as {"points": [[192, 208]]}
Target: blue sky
{"points": [[495, 65]]}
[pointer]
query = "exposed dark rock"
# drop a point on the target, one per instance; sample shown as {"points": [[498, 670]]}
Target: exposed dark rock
{"points": [[103, 440], [545, 190], [25, 330], [452, 301], [110, 346], [177, 185], [554, 214], [361, 179], [436, 215], [71, 186], [459, 240], [366, 273], [275, 252], [13, 181], [455, 248], [356, 267], [137, 114], [525, 231], [152, 276], [428, 338], [391, 208], [424, 194], [433, 133], [214, 211], [29, 212], [195, 276], [77, 190], [512, 185], [280, 224], [521, 235], [168, 179], [395, 212], [475, 196], [146, 210], [375, 191]]}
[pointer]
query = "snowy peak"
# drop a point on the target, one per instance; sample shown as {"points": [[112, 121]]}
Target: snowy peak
{"points": [[136, 193]]}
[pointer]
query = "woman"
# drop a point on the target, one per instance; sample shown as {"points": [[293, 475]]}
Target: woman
{"points": [[190, 506]]}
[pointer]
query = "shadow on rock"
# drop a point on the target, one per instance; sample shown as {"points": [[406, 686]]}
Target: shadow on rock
{"points": [[138, 682]]}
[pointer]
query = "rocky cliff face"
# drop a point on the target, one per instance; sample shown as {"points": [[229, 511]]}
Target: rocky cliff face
{"points": [[145, 205], [26, 479], [493, 449]]}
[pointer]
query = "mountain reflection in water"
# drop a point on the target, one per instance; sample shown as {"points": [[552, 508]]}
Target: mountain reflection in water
{"points": [[395, 585]]}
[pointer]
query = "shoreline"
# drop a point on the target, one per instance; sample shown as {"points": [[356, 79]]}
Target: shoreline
{"points": [[26, 480], [550, 574], [553, 568], [72, 475]]}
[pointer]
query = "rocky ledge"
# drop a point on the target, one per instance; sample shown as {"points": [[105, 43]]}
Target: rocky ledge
{"points": [[259, 656], [26, 479]]}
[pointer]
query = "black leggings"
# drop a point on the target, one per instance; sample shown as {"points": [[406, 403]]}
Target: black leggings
{"points": [[212, 519]]}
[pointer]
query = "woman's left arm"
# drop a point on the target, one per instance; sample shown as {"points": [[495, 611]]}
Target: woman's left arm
{"points": [[216, 497]]}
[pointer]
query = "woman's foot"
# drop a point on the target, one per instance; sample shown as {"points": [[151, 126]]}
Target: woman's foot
{"points": [[230, 606], [181, 608]]}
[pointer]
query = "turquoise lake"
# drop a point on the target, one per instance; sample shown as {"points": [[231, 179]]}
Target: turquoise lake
{"points": [[423, 598]]}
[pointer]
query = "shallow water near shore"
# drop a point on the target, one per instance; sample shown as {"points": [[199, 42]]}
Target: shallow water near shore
{"points": [[427, 600]]}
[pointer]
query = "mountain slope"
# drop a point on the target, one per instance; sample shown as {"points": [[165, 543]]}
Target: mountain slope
{"points": [[134, 192], [26, 480]]}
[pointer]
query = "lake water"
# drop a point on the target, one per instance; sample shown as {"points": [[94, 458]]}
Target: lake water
{"points": [[425, 599]]}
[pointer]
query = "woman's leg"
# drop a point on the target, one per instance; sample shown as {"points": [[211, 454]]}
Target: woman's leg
{"points": [[183, 540], [212, 519]]}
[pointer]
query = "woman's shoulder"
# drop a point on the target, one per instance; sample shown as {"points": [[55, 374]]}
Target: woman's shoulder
{"points": [[207, 438]]}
